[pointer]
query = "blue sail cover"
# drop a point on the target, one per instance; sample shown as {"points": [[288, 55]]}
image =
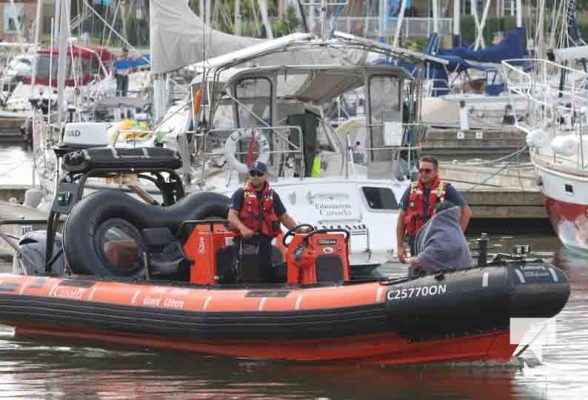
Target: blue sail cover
{"points": [[463, 58], [512, 46]]}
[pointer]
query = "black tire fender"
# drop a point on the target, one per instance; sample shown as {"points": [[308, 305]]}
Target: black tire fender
{"points": [[95, 214]]}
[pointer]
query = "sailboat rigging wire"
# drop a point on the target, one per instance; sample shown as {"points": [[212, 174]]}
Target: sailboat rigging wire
{"points": [[72, 67], [51, 68], [125, 42], [497, 160], [303, 16], [107, 43], [335, 19], [255, 17], [556, 24]]}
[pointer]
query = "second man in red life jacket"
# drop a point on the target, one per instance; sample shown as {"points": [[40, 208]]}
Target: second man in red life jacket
{"points": [[419, 201], [256, 214]]}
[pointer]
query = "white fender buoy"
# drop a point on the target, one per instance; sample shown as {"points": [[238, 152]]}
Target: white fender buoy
{"points": [[566, 145], [231, 148], [33, 197], [535, 138]]}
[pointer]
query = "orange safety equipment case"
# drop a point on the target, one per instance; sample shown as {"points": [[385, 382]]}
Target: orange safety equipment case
{"points": [[319, 256], [203, 246]]}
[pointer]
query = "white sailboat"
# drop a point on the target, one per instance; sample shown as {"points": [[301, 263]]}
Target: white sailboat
{"points": [[557, 130], [267, 102]]}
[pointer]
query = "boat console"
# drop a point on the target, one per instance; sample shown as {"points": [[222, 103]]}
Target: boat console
{"points": [[313, 257]]}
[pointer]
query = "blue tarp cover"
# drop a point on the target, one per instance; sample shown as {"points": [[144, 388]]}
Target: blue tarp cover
{"points": [[511, 46], [134, 63]]}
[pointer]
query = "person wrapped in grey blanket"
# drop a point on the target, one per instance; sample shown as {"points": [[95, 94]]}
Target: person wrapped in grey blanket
{"points": [[441, 244]]}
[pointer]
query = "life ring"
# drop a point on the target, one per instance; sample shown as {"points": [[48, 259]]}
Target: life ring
{"points": [[231, 148]]}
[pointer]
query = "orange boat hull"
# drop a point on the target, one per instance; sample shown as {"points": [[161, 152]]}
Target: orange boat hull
{"points": [[387, 349], [463, 316]]}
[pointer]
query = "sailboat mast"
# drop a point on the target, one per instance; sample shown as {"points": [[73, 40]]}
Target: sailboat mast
{"points": [[435, 16], [456, 21], [208, 13], [399, 22], [237, 18], [383, 20], [265, 18], [519, 13], [540, 35], [36, 44], [63, 16]]}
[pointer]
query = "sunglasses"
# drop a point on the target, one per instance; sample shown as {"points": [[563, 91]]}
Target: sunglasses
{"points": [[256, 173], [425, 170]]}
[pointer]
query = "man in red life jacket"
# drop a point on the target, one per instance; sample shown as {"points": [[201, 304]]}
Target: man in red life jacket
{"points": [[419, 201], [255, 213]]}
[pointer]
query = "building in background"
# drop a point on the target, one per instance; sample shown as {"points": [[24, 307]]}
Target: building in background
{"points": [[16, 22]]}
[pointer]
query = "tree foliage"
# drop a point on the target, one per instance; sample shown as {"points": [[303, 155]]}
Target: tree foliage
{"points": [[288, 23]]}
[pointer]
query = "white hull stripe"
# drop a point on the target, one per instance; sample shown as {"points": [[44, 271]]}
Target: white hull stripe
{"points": [[53, 288], [23, 287], [134, 299], [91, 296], [485, 279], [206, 302], [298, 303], [261, 303], [379, 294], [520, 275], [553, 275]]}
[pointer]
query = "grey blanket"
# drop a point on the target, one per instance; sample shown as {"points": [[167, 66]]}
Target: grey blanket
{"points": [[441, 244]]}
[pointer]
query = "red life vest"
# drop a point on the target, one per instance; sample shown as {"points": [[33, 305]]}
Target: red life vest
{"points": [[416, 215], [259, 215]]}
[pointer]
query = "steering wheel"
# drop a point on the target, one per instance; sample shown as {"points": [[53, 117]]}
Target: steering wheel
{"points": [[294, 230]]}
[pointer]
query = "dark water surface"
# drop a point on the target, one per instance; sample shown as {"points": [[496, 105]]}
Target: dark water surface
{"points": [[41, 369]]}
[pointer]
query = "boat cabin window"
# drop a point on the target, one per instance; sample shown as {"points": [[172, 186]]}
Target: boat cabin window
{"points": [[380, 198], [44, 62], [385, 95], [324, 140], [569, 188], [91, 66], [254, 102], [223, 117]]}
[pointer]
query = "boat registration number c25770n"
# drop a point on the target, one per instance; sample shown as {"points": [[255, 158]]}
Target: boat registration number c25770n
{"points": [[419, 291]]}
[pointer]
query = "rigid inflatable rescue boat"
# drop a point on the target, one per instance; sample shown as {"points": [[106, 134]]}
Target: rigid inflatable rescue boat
{"points": [[168, 276]]}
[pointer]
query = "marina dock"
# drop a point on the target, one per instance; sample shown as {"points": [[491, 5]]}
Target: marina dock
{"points": [[508, 192], [482, 142], [494, 193], [13, 193]]}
